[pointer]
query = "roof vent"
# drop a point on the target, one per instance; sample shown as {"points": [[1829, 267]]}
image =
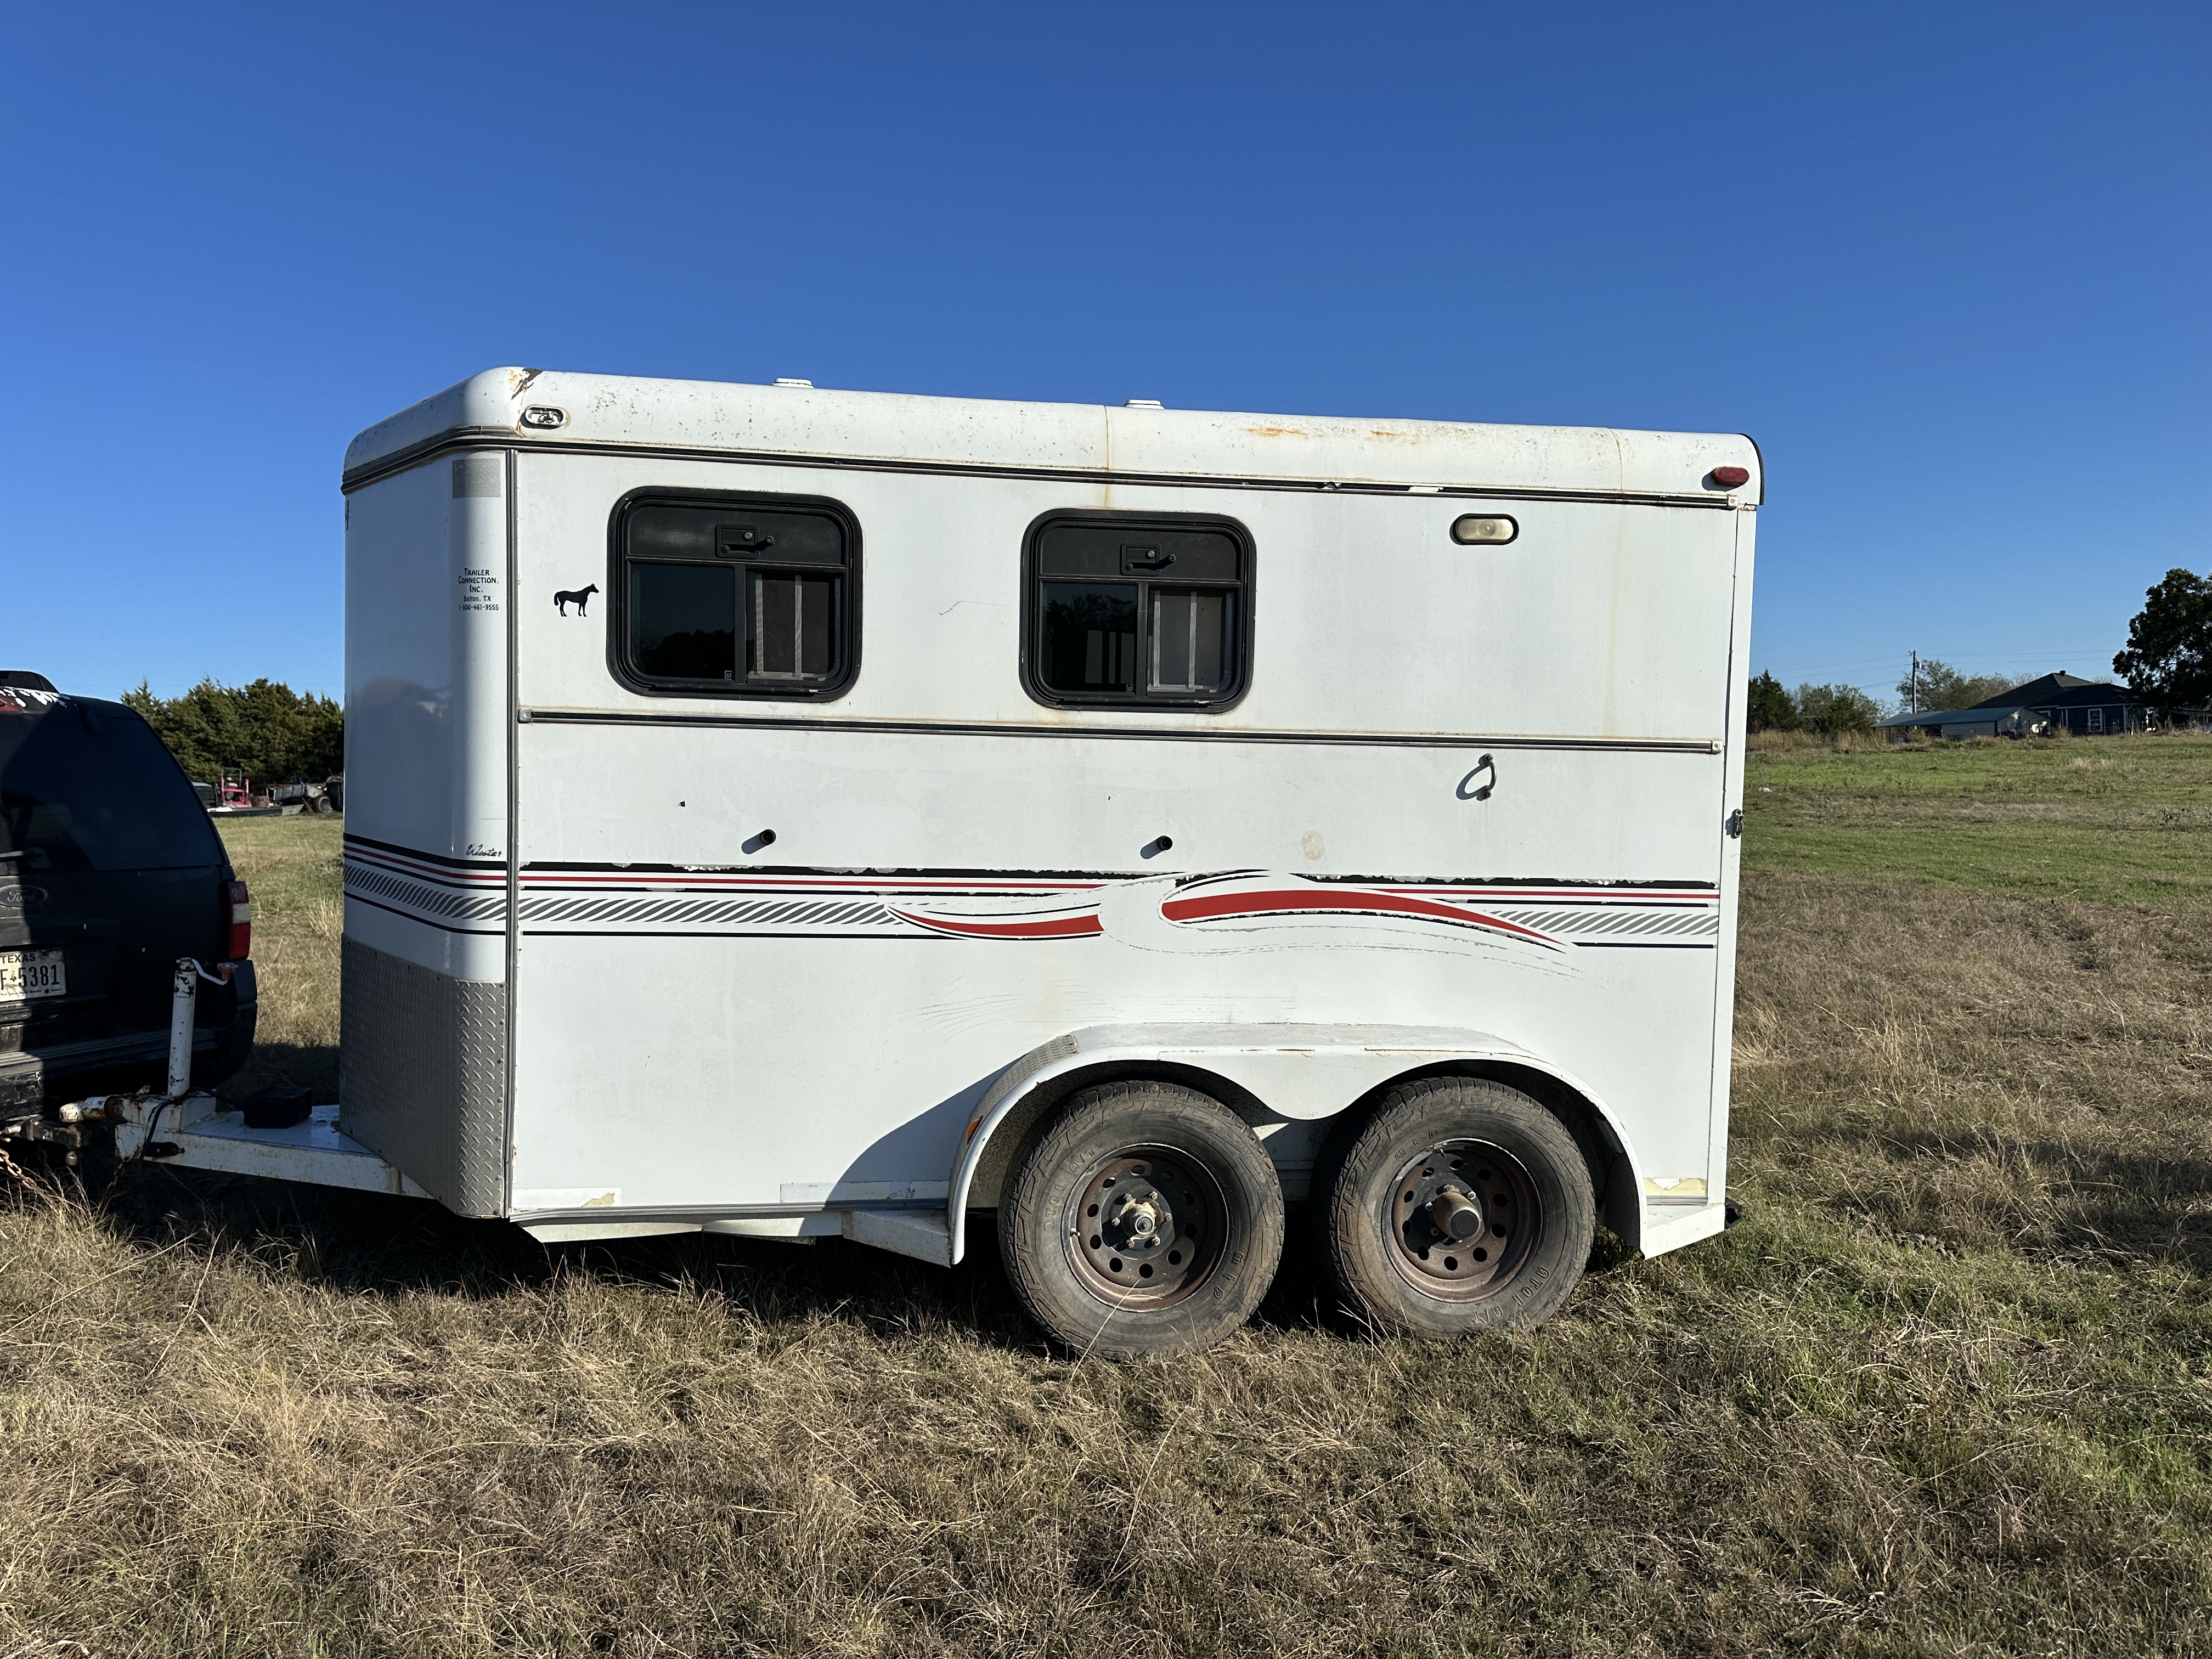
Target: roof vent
{"points": [[808, 384], [1144, 403]]}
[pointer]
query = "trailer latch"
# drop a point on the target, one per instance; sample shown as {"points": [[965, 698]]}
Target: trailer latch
{"points": [[1734, 824]]}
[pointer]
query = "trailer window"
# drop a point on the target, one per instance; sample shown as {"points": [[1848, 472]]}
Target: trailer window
{"points": [[1089, 637], [789, 635], [735, 595], [684, 621], [1188, 649], [1128, 611]]}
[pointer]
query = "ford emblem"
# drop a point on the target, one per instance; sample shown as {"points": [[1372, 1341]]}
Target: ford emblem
{"points": [[544, 417], [21, 898]]}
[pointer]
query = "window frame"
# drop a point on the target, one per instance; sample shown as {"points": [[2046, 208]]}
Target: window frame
{"points": [[1241, 592], [846, 635]]}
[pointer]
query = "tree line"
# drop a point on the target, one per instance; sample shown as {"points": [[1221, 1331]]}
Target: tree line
{"points": [[266, 730], [1827, 709]]}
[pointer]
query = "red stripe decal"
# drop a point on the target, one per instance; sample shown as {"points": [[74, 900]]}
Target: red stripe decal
{"points": [[1213, 906], [1084, 926]]}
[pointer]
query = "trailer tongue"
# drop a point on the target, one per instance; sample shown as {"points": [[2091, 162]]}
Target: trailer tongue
{"points": [[193, 1128]]}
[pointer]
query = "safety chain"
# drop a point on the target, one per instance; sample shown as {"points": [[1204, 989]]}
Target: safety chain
{"points": [[11, 1167]]}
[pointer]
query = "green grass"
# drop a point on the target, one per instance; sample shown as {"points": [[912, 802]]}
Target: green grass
{"points": [[2121, 820], [293, 864], [294, 867]]}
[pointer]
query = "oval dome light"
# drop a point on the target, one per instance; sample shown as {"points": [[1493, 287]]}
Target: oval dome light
{"points": [[1474, 531]]}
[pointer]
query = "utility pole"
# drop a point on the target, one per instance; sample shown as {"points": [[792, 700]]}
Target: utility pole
{"points": [[1912, 687]]}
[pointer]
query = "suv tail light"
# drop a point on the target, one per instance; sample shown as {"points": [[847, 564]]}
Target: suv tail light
{"points": [[242, 921]]}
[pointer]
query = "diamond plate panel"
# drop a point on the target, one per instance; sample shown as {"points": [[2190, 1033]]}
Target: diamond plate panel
{"points": [[422, 1075]]}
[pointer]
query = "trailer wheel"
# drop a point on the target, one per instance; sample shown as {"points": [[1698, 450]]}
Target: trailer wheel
{"points": [[1145, 1219], [1461, 1204]]}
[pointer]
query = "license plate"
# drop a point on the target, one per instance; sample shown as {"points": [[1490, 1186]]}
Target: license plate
{"points": [[27, 974]]}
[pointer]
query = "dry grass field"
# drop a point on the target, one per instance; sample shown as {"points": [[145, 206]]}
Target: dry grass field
{"points": [[1947, 1390]]}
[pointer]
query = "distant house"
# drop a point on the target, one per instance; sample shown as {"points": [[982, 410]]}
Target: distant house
{"points": [[2087, 708], [2016, 721]]}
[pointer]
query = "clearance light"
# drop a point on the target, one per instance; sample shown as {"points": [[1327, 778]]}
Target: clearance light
{"points": [[1475, 532], [1731, 477]]}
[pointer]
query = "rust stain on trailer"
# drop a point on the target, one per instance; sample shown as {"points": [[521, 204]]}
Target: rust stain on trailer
{"points": [[1279, 432], [1106, 453]]}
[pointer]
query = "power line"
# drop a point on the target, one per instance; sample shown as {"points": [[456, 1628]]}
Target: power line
{"points": [[2007, 655]]}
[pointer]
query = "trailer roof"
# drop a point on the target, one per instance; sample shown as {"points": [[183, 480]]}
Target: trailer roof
{"points": [[706, 419]]}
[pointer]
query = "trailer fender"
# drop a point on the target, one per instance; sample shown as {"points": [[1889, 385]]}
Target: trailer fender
{"points": [[1292, 1071]]}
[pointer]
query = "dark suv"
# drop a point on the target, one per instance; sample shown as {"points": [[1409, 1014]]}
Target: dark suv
{"points": [[109, 872]]}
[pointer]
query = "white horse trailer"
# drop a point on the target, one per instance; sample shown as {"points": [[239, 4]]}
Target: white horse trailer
{"points": [[784, 812]]}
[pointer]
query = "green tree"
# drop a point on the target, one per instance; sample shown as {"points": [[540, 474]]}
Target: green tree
{"points": [[1769, 708], [1830, 709], [1939, 686], [266, 730], [2169, 654]]}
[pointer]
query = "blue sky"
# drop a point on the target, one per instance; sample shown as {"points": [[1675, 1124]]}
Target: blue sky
{"points": [[1946, 264]]}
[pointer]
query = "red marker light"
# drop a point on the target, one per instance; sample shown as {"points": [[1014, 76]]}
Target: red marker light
{"points": [[241, 920], [1728, 478]]}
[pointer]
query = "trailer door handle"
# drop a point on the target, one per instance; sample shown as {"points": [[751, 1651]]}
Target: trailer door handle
{"points": [[1470, 790]]}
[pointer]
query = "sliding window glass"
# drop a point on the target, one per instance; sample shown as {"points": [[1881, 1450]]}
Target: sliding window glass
{"points": [[1122, 611], [735, 596]]}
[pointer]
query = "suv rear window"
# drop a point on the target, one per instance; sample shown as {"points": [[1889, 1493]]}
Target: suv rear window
{"points": [[88, 788]]}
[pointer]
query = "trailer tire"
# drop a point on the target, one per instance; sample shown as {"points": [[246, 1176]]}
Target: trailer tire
{"points": [[1443, 1154], [1144, 1219]]}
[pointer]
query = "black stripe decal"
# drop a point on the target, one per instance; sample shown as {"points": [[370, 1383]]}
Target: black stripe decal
{"points": [[1634, 945], [917, 937], [428, 858]]}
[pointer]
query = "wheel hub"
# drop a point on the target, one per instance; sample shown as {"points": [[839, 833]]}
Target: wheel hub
{"points": [[1463, 1218], [1458, 1215], [1146, 1227]]}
